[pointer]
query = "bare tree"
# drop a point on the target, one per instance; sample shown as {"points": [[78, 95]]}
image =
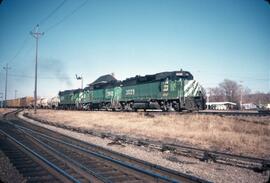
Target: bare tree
{"points": [[245, 93], [258, 98], [231, 89], [216, 95]]}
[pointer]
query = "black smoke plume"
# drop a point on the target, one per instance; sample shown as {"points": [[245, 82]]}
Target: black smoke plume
{"points": [[54, 69]]}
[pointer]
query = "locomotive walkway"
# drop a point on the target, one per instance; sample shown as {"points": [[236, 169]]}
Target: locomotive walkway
{"points": [[55, 157]]}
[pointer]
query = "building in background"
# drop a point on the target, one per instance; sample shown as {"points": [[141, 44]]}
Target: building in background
{"points": [[249, 106], [221, 105]]}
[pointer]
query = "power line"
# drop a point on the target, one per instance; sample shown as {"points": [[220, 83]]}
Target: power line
{"points": [[51, 27], [67, 16], [42, 77], [42, 21], [19, 50], [45, 77]]}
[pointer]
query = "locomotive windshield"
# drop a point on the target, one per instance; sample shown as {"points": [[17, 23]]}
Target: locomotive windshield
{"points": [[183, 74]]}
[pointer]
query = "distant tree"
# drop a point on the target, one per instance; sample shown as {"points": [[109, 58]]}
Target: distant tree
{"points": [[231, 89], [216, 95], [258, 98], [245, 93]]}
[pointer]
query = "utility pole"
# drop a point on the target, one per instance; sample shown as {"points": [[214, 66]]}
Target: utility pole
{"points": [[36, 35], [207, 99], [15, 94], [241, 95], [1, 99], [6, 68]]}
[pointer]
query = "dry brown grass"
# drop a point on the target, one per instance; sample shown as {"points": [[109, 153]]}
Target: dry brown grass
{"points": [[213, 132], [5, 110]]}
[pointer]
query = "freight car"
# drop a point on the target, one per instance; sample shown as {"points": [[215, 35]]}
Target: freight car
{"points": [[53, 102], [168, 91], [13, 103], [44, 103], [25, 102]]}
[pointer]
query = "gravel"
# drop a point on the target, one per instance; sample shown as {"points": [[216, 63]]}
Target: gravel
{"points": [[205, 170], [7, 172]]}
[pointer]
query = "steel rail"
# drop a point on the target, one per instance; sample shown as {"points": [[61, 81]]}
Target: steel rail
{"points": [[245, 161], [235, 113], [254, 159], [150, 166], [67, 158], [127, 165], [265, 164], [139, 163], [53, 166]]}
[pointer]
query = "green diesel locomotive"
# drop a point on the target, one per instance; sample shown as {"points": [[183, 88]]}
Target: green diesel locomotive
{"points": [[168, 91]]}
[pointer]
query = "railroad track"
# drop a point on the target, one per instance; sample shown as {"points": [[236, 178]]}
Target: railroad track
{"points": [[253, 163], [31, 162], [84, 161], [207, 112], [235, 113], [153, 113]]}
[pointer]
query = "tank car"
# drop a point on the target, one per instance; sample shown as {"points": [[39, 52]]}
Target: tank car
{"points": [[53, 102]]}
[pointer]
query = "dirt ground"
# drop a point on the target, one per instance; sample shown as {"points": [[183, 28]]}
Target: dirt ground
{"points": [[207, 170], [245, 135], [5, 110]]}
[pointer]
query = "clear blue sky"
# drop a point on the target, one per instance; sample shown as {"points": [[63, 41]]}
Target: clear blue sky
{"points": [[212, 39]]}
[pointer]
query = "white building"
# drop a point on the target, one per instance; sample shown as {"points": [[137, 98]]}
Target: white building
{"points": [[221, 105], [249, 106]]}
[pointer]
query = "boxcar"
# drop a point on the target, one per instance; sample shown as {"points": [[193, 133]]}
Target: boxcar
{"points": [[26, 102]]}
